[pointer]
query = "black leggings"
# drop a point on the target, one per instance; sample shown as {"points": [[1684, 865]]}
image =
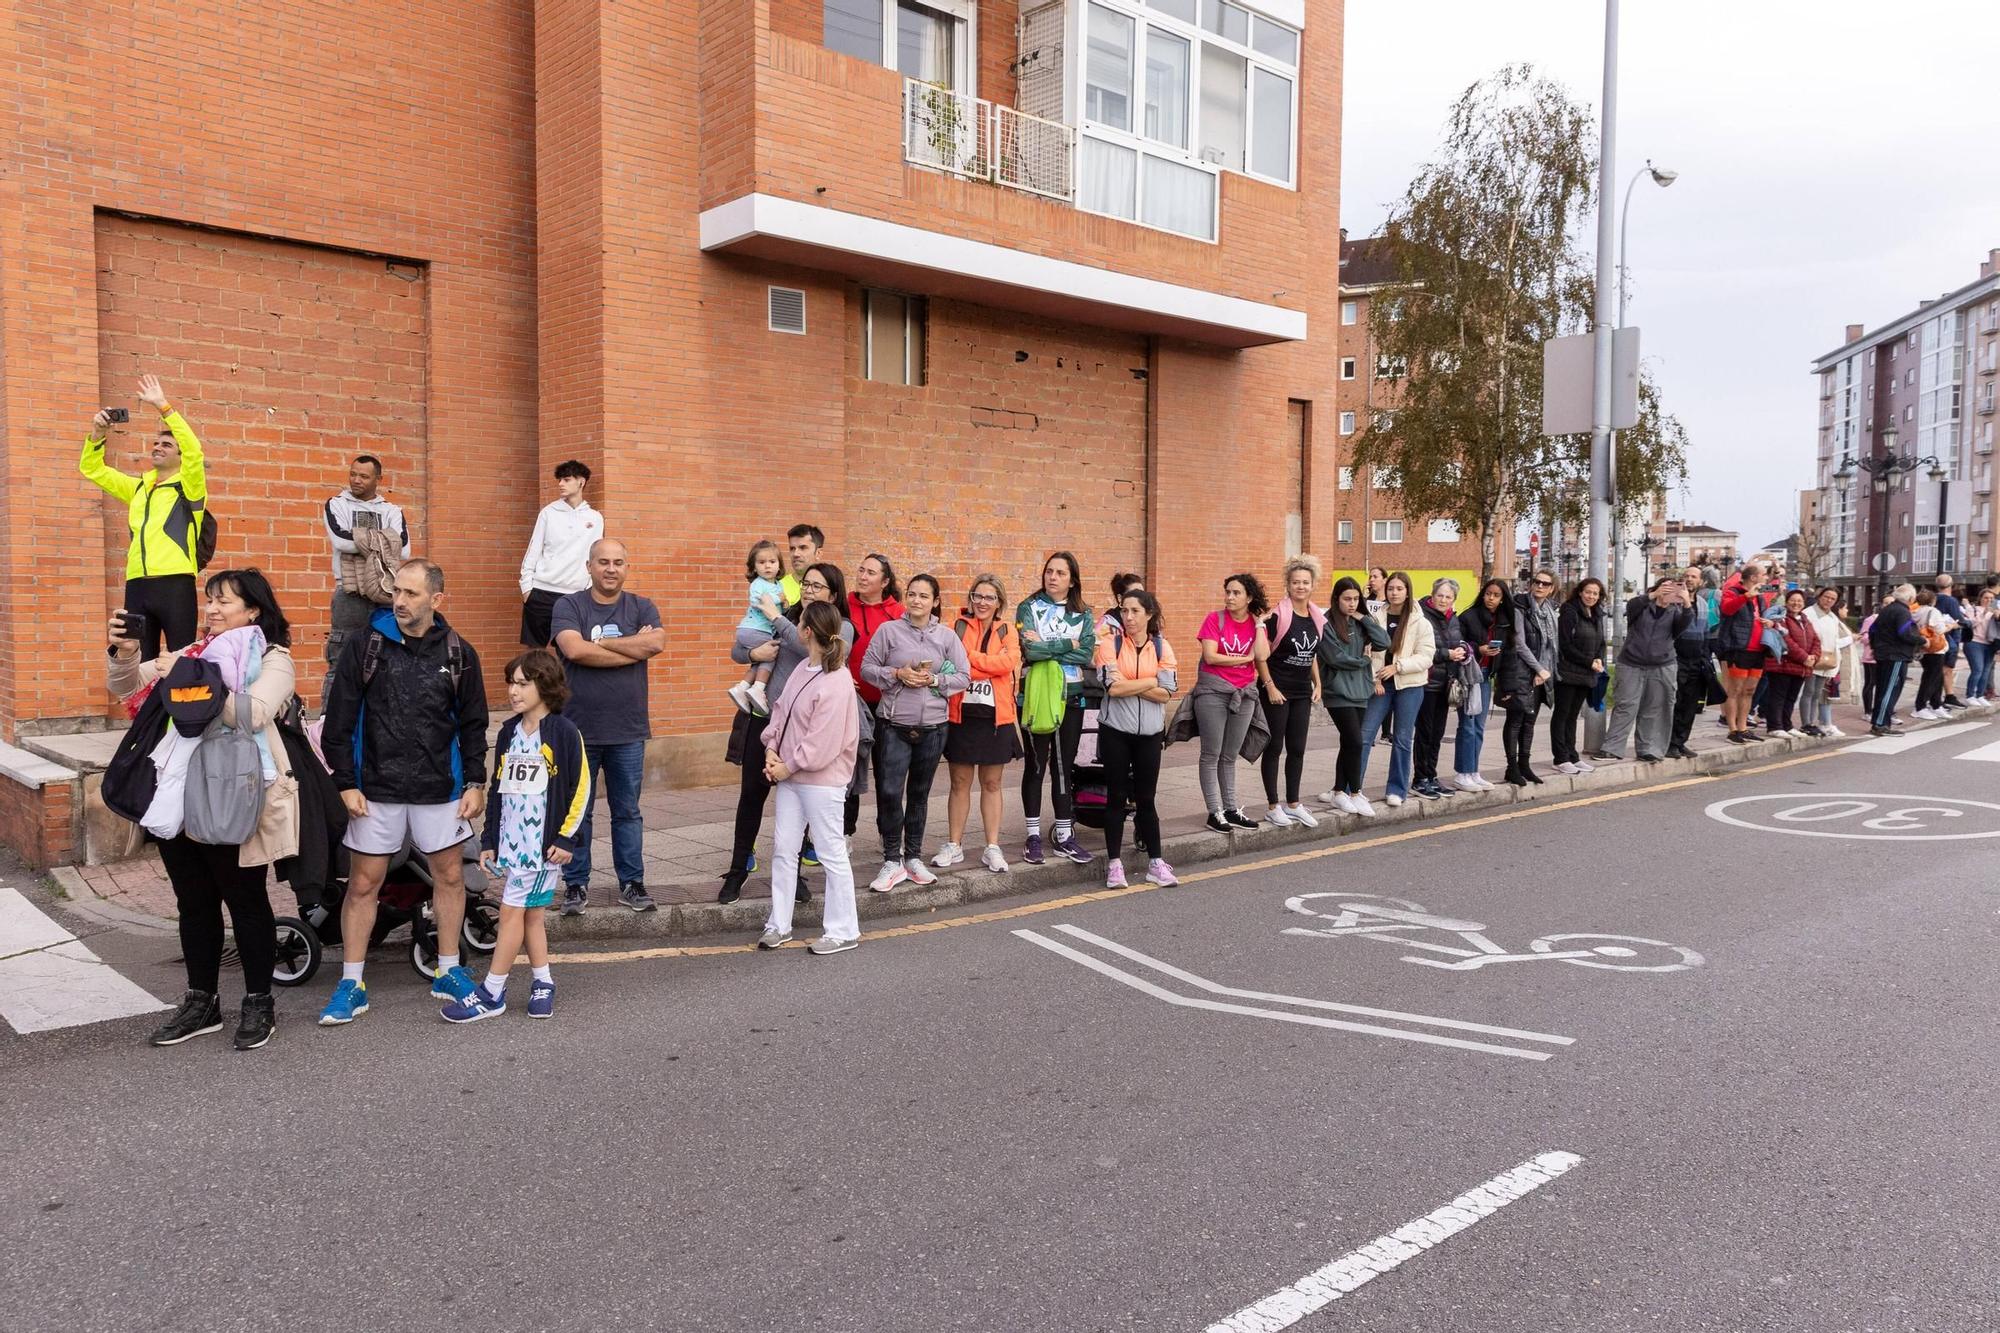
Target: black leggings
{"points": [[1781, 696], [1131, 770], [1290, 723], [205, 878], [1042, 751], [1431, 719], [1347, 768], [1930, 686], [1517, 734], [1562, 722], [752, 791], [171, 612]]}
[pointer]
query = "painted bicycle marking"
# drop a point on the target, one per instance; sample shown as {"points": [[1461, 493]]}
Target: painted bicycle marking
{"points": [[1861, 816], [1401, 922]]}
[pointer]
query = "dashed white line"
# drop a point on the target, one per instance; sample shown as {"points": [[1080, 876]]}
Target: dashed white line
{"points": [[1988, 754], [48, 979], [1911, 740], [1327, 1284]]}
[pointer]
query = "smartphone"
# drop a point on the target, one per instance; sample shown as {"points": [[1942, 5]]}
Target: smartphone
{"points": [[133, 625], [119, 414]]}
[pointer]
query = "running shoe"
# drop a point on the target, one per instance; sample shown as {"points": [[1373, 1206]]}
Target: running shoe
{"points": [[1301, 816], [827, 944], [199, 1013], [918, 872], [993, 860], [1361, 806], [1279, 818], [949, 855], [1159, 872], [542, 999], [1344, 803], [454, 983], [482, 1003], [634, 896], [1073, 849], [1032, 851], [773, 938], [1239, 819], [1568, 769], [575, 899], [1392, 800], [1114, 875], [891, 875], [349, 1002], [1215, 822]]}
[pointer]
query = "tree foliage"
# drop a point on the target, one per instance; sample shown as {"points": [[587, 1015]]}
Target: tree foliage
{"points": [[1485, 249]]}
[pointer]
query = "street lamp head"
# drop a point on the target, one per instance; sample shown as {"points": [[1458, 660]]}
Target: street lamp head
{"points": [[1937, 472], [1888, 435], [1661, 176]]}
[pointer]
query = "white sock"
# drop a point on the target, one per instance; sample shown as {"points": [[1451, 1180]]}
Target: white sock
{"points": [[447, 961], [496, 983], [1034, 826], [1063, 829], [542, 973], [351, 971]]}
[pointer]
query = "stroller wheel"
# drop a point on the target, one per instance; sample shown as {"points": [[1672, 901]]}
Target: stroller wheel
{"points": [[481, 930], [424, 954], [299, 952]]}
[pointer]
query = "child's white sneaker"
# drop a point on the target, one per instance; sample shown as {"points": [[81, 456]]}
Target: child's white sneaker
{"points": [[739, 694]]}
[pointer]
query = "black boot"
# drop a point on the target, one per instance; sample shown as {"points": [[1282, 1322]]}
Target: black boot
{"points": [[198, 1014], [258, 1021]]}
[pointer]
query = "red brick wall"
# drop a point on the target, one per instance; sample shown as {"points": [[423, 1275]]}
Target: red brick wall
{"points": [[287, 360], [39, 823]]}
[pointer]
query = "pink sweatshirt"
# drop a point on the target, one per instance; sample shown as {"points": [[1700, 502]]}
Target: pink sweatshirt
{"points": [[815, 727]]}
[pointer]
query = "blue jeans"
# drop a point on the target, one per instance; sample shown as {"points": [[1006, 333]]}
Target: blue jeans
{"points": [[1472, 715], [1403, 706], [904, 768], [1979, 669], [1889, 678], [615, 770]]}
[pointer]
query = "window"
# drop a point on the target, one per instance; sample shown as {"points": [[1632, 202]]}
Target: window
{"points": [[854, 28], [1176, 197], [1390, 367], [1109, 181], [1274, 39], [1382, 479], [892, 338], [1350, 311], [1224, 116], [1388, 529], [1167, 65], [1443, 530], [1184, 10], [1107, 69], [926, 44], [1910, 412], [1271, 121], [1226, 20], [1347, 479], [1347, 423], [1347, 367], [928, 41], [1346, 530]]}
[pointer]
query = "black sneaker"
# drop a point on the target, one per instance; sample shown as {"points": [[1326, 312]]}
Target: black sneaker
{"points": [[198, 1015], [1238, 819], [1216, 823], [634, 896], [1680, 752], [1429, 790], [732, 886], [575, 899], [257, 1022]]}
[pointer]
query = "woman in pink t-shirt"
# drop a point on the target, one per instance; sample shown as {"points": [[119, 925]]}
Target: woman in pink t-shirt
{"points": [[1233, 642]]}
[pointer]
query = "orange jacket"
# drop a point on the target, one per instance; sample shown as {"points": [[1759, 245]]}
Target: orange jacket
{"points": [[994, 666]]}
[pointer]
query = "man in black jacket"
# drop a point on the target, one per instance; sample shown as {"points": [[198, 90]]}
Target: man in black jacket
{"points": [[1895, 638], [1648, 671], [405, 737]]}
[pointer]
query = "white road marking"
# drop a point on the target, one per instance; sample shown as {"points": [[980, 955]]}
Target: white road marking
{"points": [[48, 979], [1901, 818], [1214, 988], [1911, 740], [1323, 1286], [1248, 1011], [1989, 754]]}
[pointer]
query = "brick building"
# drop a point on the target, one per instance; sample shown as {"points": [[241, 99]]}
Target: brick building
{"points": [[724, 251], [1370, 527]]}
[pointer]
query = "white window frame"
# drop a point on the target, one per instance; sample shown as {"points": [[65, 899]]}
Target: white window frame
{"points": [[1383, 527], [1350, 312], [965, 53], [1347, 479], [1346, 531], [1452, 533], [1347, 423], [1348, 367], [916, 330]]}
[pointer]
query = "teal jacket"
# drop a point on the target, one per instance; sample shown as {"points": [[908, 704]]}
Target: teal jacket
{"points": [[1068, 637], [1346, 674]]}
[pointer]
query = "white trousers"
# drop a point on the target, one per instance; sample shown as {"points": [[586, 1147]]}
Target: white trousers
{"points": [[823, 809]]}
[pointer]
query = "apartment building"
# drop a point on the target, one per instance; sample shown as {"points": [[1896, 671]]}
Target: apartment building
{"points": [[1906, 437], [961, 281], [1370, 527]]}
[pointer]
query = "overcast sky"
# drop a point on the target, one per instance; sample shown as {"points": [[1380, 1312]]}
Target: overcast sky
{"points": [[1839, 162]]}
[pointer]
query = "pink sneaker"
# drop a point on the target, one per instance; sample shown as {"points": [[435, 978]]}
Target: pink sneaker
{"points": [[1114, 875], [1159, 872]]}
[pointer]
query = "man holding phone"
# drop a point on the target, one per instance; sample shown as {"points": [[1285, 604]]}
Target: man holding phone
{"points": [[165, 510]]}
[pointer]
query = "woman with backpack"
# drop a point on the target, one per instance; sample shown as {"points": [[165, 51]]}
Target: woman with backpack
{"points": [[983, 739], [1401, 669], [1233, 645], [916, 665], [249, 639], [1136, 667], [1580, 631], [1290, 676], [1058, 643], [1347, 683]]}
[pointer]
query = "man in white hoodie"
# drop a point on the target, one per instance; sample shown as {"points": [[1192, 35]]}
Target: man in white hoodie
{"points": [[360, 506], [558, 556]]}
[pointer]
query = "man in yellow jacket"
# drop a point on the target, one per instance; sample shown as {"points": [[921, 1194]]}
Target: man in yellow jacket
{"points": [[167, 508]]}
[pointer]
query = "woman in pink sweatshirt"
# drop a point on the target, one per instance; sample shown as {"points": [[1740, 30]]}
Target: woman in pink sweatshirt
{"points": [[809, 747]]}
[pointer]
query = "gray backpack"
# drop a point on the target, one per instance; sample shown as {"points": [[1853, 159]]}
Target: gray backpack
{"points": [[225, 787]]}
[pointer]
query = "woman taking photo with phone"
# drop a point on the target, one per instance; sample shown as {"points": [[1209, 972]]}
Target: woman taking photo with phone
{"points": [[983, 739], [1347, 683], [917, 665]]}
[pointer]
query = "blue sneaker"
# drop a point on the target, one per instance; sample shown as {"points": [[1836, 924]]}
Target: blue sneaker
{"points": [[542, 999], [480, 1004], [456, 985], [349, 1002], [807, 856], [750, 865]]}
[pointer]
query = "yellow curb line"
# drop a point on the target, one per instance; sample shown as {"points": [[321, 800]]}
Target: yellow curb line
{"points": [[1103, 895]]}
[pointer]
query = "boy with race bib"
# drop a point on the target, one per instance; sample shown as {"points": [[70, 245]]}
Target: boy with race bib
{"points": [[541, 789]]}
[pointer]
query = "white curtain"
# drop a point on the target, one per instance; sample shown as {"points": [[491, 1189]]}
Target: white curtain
{"points": [[1109, 177], [926, 44], [1179, 198]]}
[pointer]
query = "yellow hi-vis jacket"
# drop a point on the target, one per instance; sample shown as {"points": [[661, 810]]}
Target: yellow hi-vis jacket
{"points": [[165, 516]]}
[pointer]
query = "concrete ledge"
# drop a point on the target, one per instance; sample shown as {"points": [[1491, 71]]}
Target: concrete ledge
{"points": [[31, 770], [963, 887]]}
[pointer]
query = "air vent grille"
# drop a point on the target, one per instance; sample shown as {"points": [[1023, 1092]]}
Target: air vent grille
{"points": [[788, 310]]}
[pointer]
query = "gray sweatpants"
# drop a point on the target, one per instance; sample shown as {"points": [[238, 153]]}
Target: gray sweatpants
{"points": [[1645, 696], [1222, 734]]}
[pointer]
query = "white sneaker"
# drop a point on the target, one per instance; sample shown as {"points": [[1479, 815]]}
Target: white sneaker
{"points": [[1277, 818], [918, 872], [1585, 766], [1568, 769], [1392, 801], [1468, 782], [1301, 816], [759, 704], [1832, 730], [1332, 798], [739, 694], [1361, 806], [950, 854], [992, 859], [892, 875], [1343, 803]]}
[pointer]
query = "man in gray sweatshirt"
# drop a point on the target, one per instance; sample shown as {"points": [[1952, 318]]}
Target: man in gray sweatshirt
{"points": [[1648, 671]]}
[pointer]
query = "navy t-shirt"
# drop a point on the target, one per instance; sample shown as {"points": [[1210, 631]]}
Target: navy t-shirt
{"points": [[608, 704]]}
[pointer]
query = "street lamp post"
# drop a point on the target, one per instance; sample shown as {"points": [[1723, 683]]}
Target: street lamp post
{"points": [[1662, 178], [1843, 479], [1883, 469]]}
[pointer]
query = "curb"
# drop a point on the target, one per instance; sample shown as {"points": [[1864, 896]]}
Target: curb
{"points": [[79, 897], [962, 887]]}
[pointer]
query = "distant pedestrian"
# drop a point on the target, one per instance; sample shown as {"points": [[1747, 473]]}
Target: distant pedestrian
{"points": [[1746, 596], [917, 664], [557, 561], [1979, 649], [1347, 683], [1935, 628], [1581, 628], [803, 546], [369, 536], [984, 736], [1233, 642], [166, 508], [875, 601], [1895, 638], [1291, 690], [1648, 671], [1953, 611], [810, 748], [606, 636], [1401, 671], [1135, 665], [1058, 636], [1815, 702]]}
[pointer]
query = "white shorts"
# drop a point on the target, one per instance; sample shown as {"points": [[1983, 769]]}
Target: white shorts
{"points": [[530, 888], [387, 825]]}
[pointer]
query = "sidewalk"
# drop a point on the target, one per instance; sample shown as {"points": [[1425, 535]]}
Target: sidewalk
{"points": [[689, 834]]}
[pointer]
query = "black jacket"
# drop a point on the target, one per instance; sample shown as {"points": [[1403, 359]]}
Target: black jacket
{"points": [[413, 735], [1652, 632], [322, 823], [1449, 634], [1579, 642], [1894, 636], [1476, 625], [568, 796]]}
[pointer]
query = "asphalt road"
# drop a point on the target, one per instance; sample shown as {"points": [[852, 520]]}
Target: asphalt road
{"points": [[962, 1128]]}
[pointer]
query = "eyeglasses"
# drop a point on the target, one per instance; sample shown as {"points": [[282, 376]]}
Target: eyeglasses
{"points": [[817, 585], [984, 597], [1545, 583]]}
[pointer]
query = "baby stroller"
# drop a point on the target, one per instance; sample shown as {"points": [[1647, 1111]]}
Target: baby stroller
{"points": [[1087, 787], [404, 900]]}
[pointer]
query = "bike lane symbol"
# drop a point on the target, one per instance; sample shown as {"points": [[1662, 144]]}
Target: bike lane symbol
{"points": [[1401, 922]]}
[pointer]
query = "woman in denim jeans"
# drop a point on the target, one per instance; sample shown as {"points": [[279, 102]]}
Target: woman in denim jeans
{"points": [[917, 664], [1488, 623], [1401, 670]]}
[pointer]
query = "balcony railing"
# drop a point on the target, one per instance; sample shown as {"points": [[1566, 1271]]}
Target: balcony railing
{"points": [[971, 137]]}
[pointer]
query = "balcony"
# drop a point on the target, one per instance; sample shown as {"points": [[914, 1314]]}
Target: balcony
{"points": [[978, 140]]}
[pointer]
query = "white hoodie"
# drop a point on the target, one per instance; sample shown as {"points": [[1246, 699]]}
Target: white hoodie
{"points": [[558, 554]]}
